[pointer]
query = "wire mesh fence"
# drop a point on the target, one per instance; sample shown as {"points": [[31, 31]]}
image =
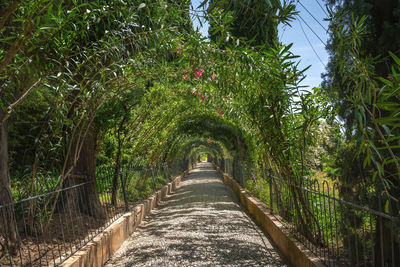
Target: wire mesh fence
{"points": [[340, 231], [47, 228]]}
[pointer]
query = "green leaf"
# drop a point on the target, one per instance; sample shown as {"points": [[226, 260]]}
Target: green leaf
{"points": [[374, 176], [385, 81], [2, 106], [392, 160], [9, 38], [366, 162], [202, 4], [47, 28], [387, 206], [387, 130], [395, 58], [388, 121], [394, 92], [388, 106]]}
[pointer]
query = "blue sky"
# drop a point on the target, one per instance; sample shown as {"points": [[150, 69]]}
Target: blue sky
{"points": [[295, 35]]}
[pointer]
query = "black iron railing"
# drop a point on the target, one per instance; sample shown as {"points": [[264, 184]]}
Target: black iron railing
{"points": [[343, 232], [46, 229]]}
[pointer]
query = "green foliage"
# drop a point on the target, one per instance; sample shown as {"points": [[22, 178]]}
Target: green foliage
{"points": [[374, 104], [362, 83], [148, 88], [137, 179], [134, 75], [251, 22]]}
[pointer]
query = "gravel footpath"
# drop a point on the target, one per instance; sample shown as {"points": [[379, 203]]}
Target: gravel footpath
{"points": [[199, 225]]}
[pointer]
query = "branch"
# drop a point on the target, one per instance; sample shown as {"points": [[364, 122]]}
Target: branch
{"points": [[8, 13], [11, 107]]}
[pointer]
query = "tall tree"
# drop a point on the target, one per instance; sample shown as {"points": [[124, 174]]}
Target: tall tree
{"points": [[255, 21], [382, 26], [361, 80]]}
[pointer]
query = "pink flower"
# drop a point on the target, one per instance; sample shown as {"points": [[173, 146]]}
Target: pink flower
{"points": [[198, 74], [213, 76], [184, 77], [179, 52], [185, 70], [208, 141]]}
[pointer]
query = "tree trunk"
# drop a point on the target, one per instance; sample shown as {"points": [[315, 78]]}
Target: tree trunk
{"points": [[8, 226], [117, 164], [85, 198], [306, 218]]}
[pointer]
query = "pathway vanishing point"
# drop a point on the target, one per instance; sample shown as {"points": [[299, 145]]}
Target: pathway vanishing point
{"points": [[201, 224]]}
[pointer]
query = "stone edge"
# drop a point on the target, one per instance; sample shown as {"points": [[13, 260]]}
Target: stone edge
{"points": [[295, 252], [98, 251]]}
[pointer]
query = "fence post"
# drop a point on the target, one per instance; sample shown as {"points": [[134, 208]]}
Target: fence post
{"points": [[154, 179], [166, 171], [121, 176], [225, 164], [242, 174], [270, 192], [169, 172]]}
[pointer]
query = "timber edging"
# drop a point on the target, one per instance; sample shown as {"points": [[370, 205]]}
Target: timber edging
{"points": [[295, 252], [98, 251]]}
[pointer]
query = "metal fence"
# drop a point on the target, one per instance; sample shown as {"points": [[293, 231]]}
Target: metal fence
{"points": [[51, 226], [343, 232]]}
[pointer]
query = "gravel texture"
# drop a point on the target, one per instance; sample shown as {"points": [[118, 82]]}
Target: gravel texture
{"points": [[199, 225]]}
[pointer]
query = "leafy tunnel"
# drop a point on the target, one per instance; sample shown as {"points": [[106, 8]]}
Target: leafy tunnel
{"points": [[106, 85]]}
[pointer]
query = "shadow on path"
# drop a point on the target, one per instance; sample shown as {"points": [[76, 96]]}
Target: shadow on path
{"points": [[200, 225]]}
